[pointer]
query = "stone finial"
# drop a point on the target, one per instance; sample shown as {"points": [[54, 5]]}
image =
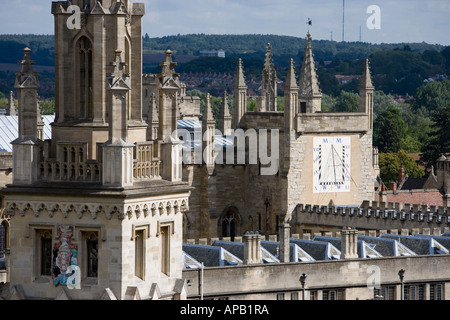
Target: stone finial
{"points": [[119, 80], [27, 78], [168, 76]]}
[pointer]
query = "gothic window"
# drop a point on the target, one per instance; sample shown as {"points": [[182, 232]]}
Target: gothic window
{"points": [[45, 251], [165, 250], [230, 223], [92, 254], [85, 77], [139, 254], [3, 234]]}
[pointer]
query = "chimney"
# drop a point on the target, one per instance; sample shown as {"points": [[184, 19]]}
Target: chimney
{"points": [[252, 248], [349, 243], [393, 186], [401, 176], [285, 234]]}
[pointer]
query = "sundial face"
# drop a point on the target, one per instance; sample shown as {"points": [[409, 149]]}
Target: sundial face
{"points": [[331, 164]]}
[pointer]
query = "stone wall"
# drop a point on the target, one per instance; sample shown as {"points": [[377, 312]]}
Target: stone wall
{"points": [[267, 281]]}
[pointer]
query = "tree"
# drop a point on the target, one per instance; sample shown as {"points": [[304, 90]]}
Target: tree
{"points": [[439, 142], [390, 163], [347, 102], [432, 96], [389, 130]]}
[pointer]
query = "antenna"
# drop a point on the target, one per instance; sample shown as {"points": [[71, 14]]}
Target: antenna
{"points": [[360, 34], [343, 20], [331, 35]]}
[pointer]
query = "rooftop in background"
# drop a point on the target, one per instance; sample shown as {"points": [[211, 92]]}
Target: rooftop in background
{"points": [[9, 130]]}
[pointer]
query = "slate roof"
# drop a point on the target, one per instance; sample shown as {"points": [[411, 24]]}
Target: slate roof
{"points": [[318, 250], [364, 250], [237, 249], [441, 240], [9, 130], [414, 183], [211, 256], [420, 246], [387, 247], [296, 254]]}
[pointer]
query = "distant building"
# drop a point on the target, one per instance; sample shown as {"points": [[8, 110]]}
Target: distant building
{"points": [[212, 53]]}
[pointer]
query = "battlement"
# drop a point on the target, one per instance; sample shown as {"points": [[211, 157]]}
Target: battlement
{"points": [[375, 216]]}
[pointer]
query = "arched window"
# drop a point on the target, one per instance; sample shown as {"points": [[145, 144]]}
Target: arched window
{"points": [[3, 234], [230, 223], [85, 77]]}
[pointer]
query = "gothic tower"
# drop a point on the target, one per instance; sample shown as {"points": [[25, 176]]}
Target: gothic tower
{"points": [[87, 33], [97, 211]]}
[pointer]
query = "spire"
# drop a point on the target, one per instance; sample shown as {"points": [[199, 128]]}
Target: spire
{"points": [[309, 84], [310, 95], [208, 117], [366, 80], [290, 97], [239, 95], [291, 81], [239, 78], [225, 110], [225, 116], [11, 109], [269, 82]]}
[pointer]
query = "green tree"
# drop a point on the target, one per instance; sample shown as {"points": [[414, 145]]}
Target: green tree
{"points": [[347, 102], [328, 103], [432, 96], [439, 142], [390, 163], [47, 106], [389, 130]]}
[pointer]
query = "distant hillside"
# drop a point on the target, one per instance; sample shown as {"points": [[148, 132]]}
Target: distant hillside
{"points": [[398, 68]]}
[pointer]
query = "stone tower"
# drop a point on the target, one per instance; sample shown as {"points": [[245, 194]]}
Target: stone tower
{"points": [[310, 96], [96, 212], [82, 64], [239, 95]]}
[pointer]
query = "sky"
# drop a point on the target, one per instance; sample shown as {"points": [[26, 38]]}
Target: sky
{"points": [[399, 20]]}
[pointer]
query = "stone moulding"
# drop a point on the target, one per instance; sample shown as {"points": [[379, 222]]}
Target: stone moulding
{"points": [[83, 211]]}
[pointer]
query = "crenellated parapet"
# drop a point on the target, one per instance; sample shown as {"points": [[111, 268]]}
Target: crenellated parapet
{"points": [[374, 216]]}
